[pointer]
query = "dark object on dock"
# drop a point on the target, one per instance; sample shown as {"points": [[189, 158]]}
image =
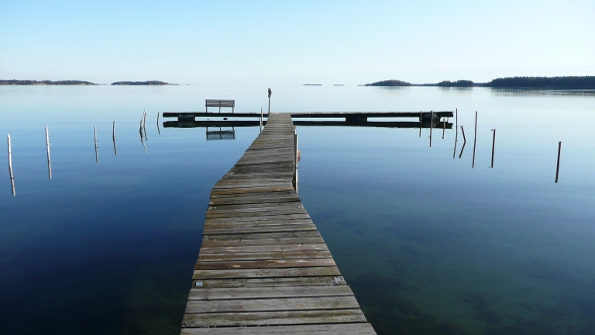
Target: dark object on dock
{"points": [[262, 262], [217, 103]]}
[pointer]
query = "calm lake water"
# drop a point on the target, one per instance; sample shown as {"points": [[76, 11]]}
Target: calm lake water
{"points": [[430, 242]]}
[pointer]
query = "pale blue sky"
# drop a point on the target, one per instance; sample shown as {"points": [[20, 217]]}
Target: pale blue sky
{"points": [[263, 42]]}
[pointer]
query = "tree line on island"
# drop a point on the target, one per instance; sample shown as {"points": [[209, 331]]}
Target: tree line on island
{"points": [[77, 82], [571, 82]]}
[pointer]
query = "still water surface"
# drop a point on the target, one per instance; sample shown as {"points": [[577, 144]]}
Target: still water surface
{"points": [[429, 242]]}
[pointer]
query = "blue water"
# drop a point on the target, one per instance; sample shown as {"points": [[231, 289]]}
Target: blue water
{"points": [[429, 243]]}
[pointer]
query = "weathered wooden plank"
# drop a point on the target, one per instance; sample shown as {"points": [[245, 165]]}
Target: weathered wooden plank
{"points": [[268, 292], [267, 273], [259, 218], [264, 264], [264, 236], [247, 229], [252, 190], [257, 207], [277, 247], [265, 282], [334, 329], [245, 215], [278, 304], [255, 223], [262, 242], [270, 255], [273, 318]]}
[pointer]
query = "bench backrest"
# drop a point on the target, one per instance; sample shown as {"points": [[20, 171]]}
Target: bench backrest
{"points": [[219, 103]]}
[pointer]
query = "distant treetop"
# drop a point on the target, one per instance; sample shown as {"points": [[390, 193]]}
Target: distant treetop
{"points": [[586, 82]]}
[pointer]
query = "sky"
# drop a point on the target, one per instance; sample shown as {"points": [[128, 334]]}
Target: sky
{"points": [[263, 42]]}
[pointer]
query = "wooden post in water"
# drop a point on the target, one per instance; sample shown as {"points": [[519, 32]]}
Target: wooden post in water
{"points": [[295, 161], [443, 127], [95, 135], [463, 131], [10, 166], [261, 116], [493, 146], [558, 164], [47, 146], [431, 126], [114, 131], [421, 118]]}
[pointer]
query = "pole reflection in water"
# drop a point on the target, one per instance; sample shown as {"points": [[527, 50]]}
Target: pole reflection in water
{"points": [[114, 138], [140, 131], [462, 149], [145, 123], [474, 142], [96, 152], [443, 127], [10, 166], [47, 146], [158, 130]]}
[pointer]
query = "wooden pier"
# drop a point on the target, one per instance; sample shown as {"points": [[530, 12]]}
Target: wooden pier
{"points": [[263, 267]]}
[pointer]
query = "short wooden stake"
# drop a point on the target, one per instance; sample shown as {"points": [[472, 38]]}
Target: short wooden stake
{"points": [[47, 146], [10, 166], [558, 164], [114, 131], [96, 152]]}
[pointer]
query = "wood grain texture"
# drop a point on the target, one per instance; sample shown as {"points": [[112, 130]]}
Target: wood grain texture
{"points": [[263, 267]]}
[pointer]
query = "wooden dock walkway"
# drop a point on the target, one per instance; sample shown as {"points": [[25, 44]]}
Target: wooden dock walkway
{"points": [[263, 267]]}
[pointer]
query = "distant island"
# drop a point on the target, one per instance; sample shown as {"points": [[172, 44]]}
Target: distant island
{"points": [[391, 82], [570, 82], [149, 82], [45, 82]]}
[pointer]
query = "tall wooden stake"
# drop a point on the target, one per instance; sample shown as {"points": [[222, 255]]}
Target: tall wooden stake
{"points": [[493, 146], [558, 164]]}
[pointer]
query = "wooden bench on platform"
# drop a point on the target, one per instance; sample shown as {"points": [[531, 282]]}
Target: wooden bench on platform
{"points": [[219, 103]]}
